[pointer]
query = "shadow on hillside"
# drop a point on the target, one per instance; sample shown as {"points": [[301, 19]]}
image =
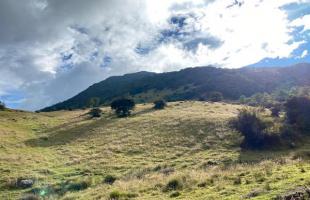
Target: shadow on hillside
{"points": [[62, 135], [69, 132]]}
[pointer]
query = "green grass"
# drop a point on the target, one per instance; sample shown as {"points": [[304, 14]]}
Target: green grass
{"points": [[69, 155]]}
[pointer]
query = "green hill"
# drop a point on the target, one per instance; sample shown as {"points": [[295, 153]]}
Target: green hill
{"points": [[189, 84], [186, 151]]}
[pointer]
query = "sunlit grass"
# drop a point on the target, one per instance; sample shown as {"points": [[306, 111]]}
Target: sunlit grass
{"points": [[188, 141]]}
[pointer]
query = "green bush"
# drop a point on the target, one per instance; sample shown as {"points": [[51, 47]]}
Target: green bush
{"points": [[173, 184], [78, 185], [160, 104], [254, 130], [109, 179], [298, 113], [95, 112], [123, 107]]}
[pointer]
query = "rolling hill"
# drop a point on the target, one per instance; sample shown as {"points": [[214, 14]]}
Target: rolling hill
{"points": [[189, 84], [186, 151]]}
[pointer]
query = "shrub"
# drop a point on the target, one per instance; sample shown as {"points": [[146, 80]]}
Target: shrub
{"points": [[215, 96], [95, 112], [160, 104], [174, 184], [109, 179], [250, 125], [2, 105], [123, 107], [78, 185], [298, 112]]}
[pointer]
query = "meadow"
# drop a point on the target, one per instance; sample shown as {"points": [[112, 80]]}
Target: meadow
{"points": [[185, 151]]}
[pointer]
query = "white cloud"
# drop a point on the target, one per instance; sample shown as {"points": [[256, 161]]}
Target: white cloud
{"points": [[52, 49], [304, 54], [302, 22]]}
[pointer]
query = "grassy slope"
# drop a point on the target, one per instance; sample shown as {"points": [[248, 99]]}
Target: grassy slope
{"points": [[188, 141]]}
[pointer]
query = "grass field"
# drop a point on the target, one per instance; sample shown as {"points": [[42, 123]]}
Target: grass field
{"points": [[186, 151]]}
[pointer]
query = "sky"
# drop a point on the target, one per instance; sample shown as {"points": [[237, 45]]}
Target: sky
{"points": [[50, 50]]}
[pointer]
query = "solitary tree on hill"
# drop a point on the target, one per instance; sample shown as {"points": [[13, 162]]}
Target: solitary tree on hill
{"points": [[123, 107], [159, 104]]}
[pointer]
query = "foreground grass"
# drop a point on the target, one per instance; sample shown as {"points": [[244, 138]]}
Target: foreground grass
{"points": [[185, 151]]}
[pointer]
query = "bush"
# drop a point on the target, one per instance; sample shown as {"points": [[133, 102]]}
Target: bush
{"points": [[249, 124], [95, 112], [2, 105], [174, 184], [160, 104], [298, 112], [109, 179], [79, 185], [216, 96], [123, 107]]}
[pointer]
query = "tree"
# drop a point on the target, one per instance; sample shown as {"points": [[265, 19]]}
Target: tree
{"points": [[123, 107], [2, 105], [216, 96], [159, 104], [95, 112], [298, 112]]}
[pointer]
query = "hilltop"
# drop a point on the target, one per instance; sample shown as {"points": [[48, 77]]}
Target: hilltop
{"points": [[186, 151], [189, 84]]}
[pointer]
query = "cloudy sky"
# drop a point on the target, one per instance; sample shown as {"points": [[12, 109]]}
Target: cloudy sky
{"points": [[52, 49]]}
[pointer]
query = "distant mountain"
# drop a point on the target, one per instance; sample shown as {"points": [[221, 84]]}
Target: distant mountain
{"points": [[190, 83]]}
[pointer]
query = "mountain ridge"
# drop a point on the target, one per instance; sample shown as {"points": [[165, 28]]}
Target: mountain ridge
{"points": [[189, 83]]}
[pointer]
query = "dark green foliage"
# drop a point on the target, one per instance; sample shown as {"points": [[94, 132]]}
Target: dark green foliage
{"points": [[2, 105], [95, 112], [77, 186], [193, 83], [159, 104], [123, 107], [254, 130], [216, 96], [109, 179], [174, 184], [298, 113]]}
